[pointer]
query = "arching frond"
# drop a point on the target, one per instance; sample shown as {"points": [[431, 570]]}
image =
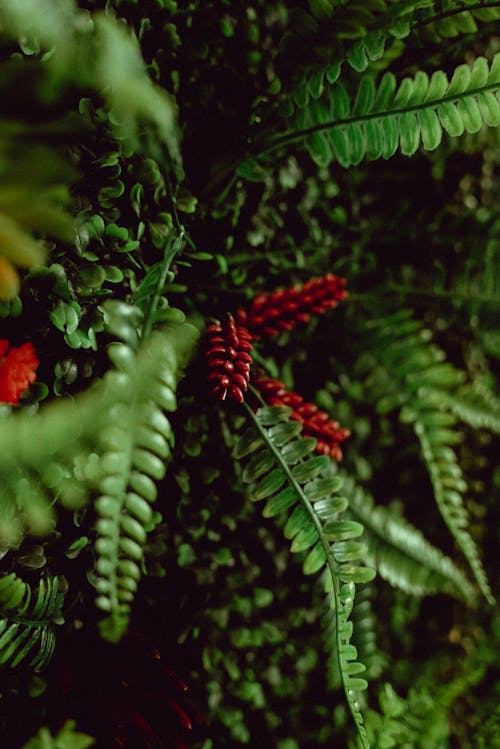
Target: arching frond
{"points": [[385, 117], [412, 376], [282, 472], [135, 447]]}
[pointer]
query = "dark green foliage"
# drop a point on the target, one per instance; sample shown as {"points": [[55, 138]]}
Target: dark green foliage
{"points": [[27, 616], [154, 168]]}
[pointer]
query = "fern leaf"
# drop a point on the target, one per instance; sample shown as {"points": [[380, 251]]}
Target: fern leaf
{"points": [[302, 486], [417, 380], [386, 117], [401, 554], [135, 448], [26, 620]]}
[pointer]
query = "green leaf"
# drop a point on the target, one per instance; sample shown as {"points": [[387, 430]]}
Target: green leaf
{"points": [[343, 530], [323, 487], [283, 433], [260, 464], [295, 451], [409, 133], [468, 109], [268, 485], [353, 574], [280, 502], [310, 468], [450, 119], [315, 560], [348, 551], [270, 415], [248, 443], [325, 508], [305, 538], [298, 520], [431, 129]]}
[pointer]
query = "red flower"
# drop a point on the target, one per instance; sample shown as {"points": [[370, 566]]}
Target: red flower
{"points": [[228, 360], [315, 423], [283, 309], [17, 370]]}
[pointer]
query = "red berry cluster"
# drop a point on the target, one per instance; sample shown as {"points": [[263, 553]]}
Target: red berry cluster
{"points": [[315, 423], [283, 309], [229, 347]]}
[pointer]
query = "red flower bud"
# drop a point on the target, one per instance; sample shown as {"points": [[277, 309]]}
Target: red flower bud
{"points": [[229, 360], [283, 309], [315, 423], [17, 370]]}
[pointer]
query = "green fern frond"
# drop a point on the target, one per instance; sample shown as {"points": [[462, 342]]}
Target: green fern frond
{"points": [[400, 553], [448, 484], [413, 379], [135, 448], [27, 617], [282, 472], [385, 117]]}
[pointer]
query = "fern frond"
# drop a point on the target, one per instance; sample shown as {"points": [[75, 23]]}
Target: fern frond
{"points": [[282, 472], [400, 553], [135, 447], [448, 484], [414, 377], [385, 117], [26, 620]]}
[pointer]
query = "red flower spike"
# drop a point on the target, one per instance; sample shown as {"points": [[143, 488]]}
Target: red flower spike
{"points": [[283, 309], [17, 370], [229, 359], [315, 423]]}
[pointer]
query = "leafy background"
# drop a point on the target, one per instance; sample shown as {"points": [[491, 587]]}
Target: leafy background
{"points": [[153, 172]]}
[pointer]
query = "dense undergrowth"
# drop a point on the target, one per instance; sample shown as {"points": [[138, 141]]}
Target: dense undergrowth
{"points": [[249, 364]]}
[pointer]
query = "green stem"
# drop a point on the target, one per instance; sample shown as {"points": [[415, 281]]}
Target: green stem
{"points": [[173, 247]]}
